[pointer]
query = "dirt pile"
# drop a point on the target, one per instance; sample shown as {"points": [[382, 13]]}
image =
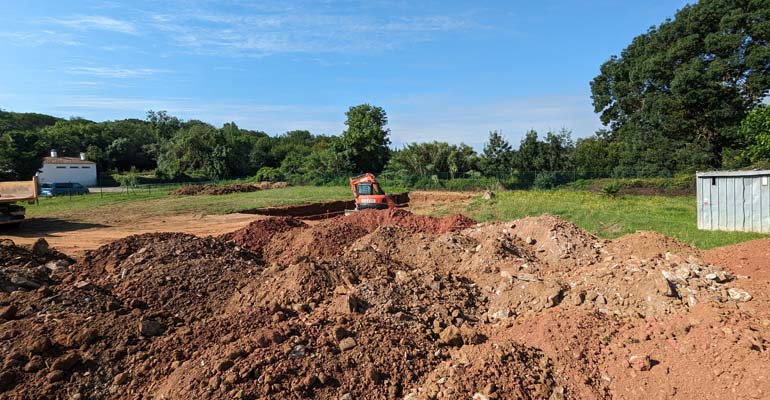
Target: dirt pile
{"points": [[258, 234], [196, 190], [389, 305], [29, 268], [372, 219]]}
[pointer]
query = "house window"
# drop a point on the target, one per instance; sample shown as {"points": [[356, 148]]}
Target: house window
{"points": [[73, 166], [62, 167], [713, 181], [85, 167]]}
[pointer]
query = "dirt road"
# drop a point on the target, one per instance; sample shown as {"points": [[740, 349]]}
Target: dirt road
{"points": [[73, 237]]}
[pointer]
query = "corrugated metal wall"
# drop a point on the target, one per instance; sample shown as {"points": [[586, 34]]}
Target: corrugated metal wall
{"points": [[734, 203]]}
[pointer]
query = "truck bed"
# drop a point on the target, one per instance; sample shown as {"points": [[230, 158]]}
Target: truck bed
{"points": [[11, 192]]}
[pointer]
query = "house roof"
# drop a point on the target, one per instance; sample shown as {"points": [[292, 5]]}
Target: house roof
{"points": [[65, 160]]}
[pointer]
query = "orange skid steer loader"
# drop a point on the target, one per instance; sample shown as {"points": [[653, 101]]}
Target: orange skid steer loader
{"points": [[369, 194]]}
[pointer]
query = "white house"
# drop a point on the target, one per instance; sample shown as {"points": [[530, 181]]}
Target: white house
{"points": [[68, 169]]}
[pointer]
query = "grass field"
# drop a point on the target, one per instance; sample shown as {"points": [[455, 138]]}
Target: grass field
{"points": [[609, 217], [605, 216], [158, 203]]}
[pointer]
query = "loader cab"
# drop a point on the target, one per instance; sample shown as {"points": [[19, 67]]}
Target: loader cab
{"points": [[368, 189]]}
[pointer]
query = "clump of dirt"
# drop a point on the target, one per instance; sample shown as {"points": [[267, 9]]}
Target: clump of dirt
{"points": [[196, 190], [258, 234], [29, 268], [372, 219], [387, 305]]}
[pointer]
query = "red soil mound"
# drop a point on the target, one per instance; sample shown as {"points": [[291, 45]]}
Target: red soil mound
{"points": [[372, 219]]}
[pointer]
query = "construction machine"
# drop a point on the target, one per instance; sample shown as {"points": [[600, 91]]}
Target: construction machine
{"points": [[12, 193], [368, 194]]}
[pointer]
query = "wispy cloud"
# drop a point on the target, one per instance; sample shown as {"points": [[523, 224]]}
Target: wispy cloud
{"points": [[95, 22], [298, 32], [114, 72], [39, 38]]}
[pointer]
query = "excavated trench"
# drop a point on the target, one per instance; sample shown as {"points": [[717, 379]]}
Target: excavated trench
{"points": [[316, 211]]}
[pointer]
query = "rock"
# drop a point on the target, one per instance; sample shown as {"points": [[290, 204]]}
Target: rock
{"points": [[34, 364], [530, 240], [224, 365], [149, 328], [40, 346], [237, 353], [663, 286], [489, 195], [8, 312], [523, 276], [640, 362], [66, 362], [451, 336], [738, 294], [340, 333], [82, 284], [346, 396], [25, 283], [480, 396], [121, 379], [40, 247], [346, 304], [55, 376], [138, 304], [347, 343], [7, 381]]}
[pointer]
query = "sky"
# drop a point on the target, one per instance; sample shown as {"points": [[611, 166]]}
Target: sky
{"points": [[442, 70]]}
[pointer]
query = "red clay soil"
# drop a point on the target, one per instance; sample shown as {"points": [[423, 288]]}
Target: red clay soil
{"points": [[373, 219], [258, 234], [196, 190], [363, 308]]}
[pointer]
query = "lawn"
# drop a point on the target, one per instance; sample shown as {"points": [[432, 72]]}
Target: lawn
{"points": [[609, 217], [95, 206], [605, 216]]}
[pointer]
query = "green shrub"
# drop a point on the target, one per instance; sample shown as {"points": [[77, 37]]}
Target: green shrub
{"points": [[611, 189], [269, 174]]}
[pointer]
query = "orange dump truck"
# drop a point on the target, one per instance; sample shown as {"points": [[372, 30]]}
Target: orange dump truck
{"points": [[12, 193]]}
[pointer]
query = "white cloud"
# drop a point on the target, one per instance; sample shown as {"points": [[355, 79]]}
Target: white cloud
{"points": [[95, 22], [114, 72]]}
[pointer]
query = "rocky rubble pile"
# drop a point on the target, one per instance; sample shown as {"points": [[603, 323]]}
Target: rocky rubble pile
{"points": [[370, 307], [23, 268]]}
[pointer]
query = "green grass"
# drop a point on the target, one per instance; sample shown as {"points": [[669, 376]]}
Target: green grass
{"points": [[609, 217], [158, 202], [604, 216]]}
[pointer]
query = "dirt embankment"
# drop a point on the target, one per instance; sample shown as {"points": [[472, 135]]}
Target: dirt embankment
{"points": [[197, 190], [385, 305]]}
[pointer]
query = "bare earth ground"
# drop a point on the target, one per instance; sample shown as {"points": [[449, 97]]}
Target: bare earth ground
{"points": [[81, 232], [72, 237], [382, 304]]}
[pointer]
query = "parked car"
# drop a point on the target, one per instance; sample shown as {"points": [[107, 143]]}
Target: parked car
{"points": [[62, 189]]}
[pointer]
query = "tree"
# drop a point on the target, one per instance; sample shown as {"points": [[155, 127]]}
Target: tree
{"points": [[366, 138], [595, 156], [687, 83], [19, 155], [755, 130], [497, 157]]}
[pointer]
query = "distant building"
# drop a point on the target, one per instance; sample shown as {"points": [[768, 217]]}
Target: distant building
{"points": [[68, 169]]}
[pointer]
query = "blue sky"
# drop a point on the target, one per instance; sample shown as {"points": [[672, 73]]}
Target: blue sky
{"points": [[443, 70]]}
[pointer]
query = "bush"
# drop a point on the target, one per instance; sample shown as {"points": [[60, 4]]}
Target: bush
{"points": [[545, 180], [268, 174], [611, 189]]}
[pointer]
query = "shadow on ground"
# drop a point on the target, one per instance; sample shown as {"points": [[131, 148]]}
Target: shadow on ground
{"points": [[45, 227]]}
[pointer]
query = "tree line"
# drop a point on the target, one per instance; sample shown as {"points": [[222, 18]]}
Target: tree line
{"points": [[686, 95]]}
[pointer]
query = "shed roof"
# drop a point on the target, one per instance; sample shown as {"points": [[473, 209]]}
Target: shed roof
{"points": [[714, 174], [65, 160]]}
